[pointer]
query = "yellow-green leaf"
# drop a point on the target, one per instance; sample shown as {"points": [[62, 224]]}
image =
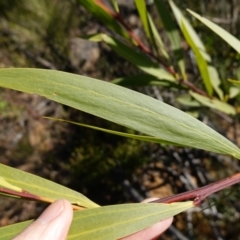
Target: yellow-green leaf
{"points": [[143, 80], [197, 46], [214, 103], [172, 33], [120, 105], [111, 222], [19, 180], [227, 37], [137, 58]]}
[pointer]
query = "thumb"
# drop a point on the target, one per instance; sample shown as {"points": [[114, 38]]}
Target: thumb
{"points": [[53, 223]]}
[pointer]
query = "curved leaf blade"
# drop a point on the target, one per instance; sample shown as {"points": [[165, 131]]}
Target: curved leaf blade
{"points": [[173, 34], [160, 47], [196, 44], [122, 134], [142, 10], [111, 222], [214, 103], [226, 36], [120, 105], [142, 80], [44, 189], [137, 58]]}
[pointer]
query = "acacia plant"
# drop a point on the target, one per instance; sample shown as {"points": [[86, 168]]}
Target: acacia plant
{"points": [[156, 121]]}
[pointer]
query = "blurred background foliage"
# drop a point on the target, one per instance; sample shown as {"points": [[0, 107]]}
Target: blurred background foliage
{"points": [[106, 168]]}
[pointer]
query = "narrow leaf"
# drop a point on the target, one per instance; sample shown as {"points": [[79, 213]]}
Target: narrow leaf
{"points": [[157, 38], [142, 80], [44, 189], [214, 103], [111, 222], [115, 5], [196, 44], [120, 105], [137, 58], [215, 81], [122, 134], [201, 62], [229, 38], [187, 100], [142, 10], [172, 33]]}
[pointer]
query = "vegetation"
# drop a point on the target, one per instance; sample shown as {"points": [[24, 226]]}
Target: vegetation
{"points": [[166, 60]]}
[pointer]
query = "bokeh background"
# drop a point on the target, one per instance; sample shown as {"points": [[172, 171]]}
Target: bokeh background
{"points": [[106, 168]]}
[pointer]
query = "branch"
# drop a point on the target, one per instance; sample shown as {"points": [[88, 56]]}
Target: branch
{"points": [[200, 194]]}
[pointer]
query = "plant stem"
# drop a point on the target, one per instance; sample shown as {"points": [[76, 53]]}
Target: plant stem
{"points": [[199, 195], [145, 49]]}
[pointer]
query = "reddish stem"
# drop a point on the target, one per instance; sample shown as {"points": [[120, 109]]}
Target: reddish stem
{"points": [[140, 44], [145, 49], [199, 195], [27, 195]]}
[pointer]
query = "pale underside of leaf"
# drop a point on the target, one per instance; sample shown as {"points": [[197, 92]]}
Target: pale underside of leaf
{"points": [[111, 222], [119, 105]]}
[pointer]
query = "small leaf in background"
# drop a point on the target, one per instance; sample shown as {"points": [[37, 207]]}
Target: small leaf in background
{"points": [[44, 189], [122, 134], [142, 10], [226, 36], [214, 103], [187, 100], [159, 43], [111, 222], [201, 62], [172, 33], [115, 5], [105, 17], [93, 37], [196, 45], [120, 105], [233, 92], [142, 80], [150, 28], [137, 58], [215, 81]]}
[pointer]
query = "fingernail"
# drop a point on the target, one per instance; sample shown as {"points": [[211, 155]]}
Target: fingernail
{"points": [[51, 212]]}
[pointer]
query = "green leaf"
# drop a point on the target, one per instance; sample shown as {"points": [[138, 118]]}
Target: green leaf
{"points": [[115, 5], [142, 80], [172, 33], [197, 46], [229, 38], [111, 222], [142, 10], [137, 58], [93, 37], [157, 38], [122, 134], [186, 100], [214, 103], [120, 105], [17, 180], [233, 91], [105, 17], [215, 81]]}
